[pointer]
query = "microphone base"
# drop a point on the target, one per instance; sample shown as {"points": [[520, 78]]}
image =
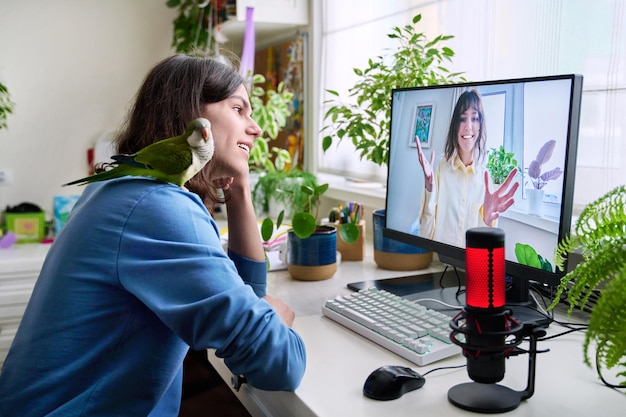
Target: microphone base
{"points": [[484, 398]]}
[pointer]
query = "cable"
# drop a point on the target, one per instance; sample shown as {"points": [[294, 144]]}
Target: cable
{"points": [[434, 300], [442, 368], [599, 372], [458, 279]]}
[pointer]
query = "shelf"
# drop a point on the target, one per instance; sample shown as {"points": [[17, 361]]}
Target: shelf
{"points": [[274, 20]]}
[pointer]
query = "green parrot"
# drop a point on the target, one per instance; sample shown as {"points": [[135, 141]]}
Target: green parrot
{"points": [[173, 160]]}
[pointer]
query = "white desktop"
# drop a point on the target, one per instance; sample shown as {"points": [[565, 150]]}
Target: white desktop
{"points": [[339, 361]]}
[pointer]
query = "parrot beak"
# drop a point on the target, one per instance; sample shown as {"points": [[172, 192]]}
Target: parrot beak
{"points": [[205, 133]]}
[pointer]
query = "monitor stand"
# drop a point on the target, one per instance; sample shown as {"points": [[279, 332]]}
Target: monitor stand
{"points": [[448, 286]]}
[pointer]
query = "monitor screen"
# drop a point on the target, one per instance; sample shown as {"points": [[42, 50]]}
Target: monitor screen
{"points": [[450, 145]]}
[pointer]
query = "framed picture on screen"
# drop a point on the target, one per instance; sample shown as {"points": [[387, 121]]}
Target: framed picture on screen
{"points": [[422, 131]]}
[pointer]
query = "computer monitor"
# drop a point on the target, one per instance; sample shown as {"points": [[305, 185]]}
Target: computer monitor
{"points": [[523, 116]]}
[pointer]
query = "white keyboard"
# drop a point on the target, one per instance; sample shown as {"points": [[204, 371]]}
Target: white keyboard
{"points": [[407, 328]]}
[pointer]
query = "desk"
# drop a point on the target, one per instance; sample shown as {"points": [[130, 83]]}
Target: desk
{"points": [[339, 361]]}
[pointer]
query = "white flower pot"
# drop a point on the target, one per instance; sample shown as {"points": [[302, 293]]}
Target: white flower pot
{"points": [[535, 201]]}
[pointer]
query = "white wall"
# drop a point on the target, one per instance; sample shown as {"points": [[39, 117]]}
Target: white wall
{"points": [[72, 67]]}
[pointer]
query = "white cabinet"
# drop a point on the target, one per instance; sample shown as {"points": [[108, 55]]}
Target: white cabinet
{"points": [[287, 12], [19, 269], [273, 20]]}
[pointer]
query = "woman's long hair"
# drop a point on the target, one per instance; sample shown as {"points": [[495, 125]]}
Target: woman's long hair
{"points": [[174, 93], [469, 99]]}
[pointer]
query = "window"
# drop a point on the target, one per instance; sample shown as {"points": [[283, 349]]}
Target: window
{"points": [[493, 39]]}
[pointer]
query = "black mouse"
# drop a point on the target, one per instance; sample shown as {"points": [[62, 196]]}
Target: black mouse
{"points": [[391, 381]]}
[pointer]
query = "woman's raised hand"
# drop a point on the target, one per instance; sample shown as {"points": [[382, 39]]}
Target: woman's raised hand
{"points": [[427, 166], [500, 200]]}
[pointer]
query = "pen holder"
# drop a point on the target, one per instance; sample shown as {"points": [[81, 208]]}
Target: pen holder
{"points": [[352, 251]]}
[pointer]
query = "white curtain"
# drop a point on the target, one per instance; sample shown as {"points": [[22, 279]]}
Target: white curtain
{"points": [[495, 39]]}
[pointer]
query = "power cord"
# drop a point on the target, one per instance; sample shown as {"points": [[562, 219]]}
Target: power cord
{"points": [[443, 368]]}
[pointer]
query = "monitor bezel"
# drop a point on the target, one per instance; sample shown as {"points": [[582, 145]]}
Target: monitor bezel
{"points": [[455, 256]]}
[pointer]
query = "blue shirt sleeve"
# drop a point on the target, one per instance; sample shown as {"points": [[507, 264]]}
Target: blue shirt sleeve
{"points": [[253, 273]]}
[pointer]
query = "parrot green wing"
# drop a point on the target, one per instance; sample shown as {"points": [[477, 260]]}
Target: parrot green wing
{"points": [[166, 160], [168, 157]]}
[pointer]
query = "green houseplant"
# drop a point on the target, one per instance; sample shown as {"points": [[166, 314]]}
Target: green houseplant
{"points": [[311, 253], [600, 233], [283, 189], [417, 61], [270, 109], [192, 27], [6, 106], [500, 163]]}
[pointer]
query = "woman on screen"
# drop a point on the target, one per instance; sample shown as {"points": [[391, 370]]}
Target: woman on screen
{"points": [[457, 195]]}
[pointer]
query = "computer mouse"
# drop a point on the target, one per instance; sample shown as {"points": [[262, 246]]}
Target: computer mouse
{"points": [[391, 381]]}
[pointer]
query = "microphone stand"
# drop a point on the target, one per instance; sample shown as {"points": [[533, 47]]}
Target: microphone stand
{"points": [[495, 398]]}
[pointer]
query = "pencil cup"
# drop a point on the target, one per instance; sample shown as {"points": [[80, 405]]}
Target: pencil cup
{"points": [[352, 251]]}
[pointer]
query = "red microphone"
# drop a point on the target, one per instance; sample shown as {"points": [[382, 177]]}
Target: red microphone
{"points": [[486, 330]]}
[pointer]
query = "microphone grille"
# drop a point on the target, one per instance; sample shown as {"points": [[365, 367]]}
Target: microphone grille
{"points": [[485, 268]]}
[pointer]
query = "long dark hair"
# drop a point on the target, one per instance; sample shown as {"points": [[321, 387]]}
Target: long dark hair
{"points": [[469, 99], [174, 93]]}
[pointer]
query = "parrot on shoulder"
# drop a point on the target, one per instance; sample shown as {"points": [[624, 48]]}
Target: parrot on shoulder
{"points": [[174, 160]]}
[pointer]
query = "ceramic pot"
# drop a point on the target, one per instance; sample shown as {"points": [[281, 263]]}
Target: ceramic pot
{"points": [[394, 255], [315, 257], [535, 201]]}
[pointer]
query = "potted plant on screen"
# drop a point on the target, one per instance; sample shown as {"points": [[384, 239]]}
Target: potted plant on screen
{"points": [[500, 163], [539, 178], [600, 235], [365, 119]]}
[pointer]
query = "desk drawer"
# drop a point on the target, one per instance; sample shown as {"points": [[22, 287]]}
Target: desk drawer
{"points": [[14, 297], [8, 329], [17, 280]]}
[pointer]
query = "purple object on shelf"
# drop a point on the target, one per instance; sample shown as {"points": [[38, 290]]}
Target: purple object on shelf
{"points": [[246, 66], [8, 240]]}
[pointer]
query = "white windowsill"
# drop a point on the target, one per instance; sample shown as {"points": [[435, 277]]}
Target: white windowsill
{"points": [[370, 194]]}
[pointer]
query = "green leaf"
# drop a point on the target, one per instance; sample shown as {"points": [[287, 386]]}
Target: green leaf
{"points": [[526, 255], [279, 221], [303, 224], [349, 232], [320, 189], [327, 141], [267, 229]]}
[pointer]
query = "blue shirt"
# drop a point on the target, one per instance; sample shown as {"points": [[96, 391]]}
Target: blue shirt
{"points": [[135, 278]]}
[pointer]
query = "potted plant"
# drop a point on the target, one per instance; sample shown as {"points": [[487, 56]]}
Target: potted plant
{"points": [[539, 179], [311, 246], [365, 121], [6, 106], [600, 234], [500, 163]]}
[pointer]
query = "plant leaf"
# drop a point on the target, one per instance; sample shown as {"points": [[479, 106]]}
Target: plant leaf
{"points": [[303, 224], [526, 255], [267, 229], [349, 232]]}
